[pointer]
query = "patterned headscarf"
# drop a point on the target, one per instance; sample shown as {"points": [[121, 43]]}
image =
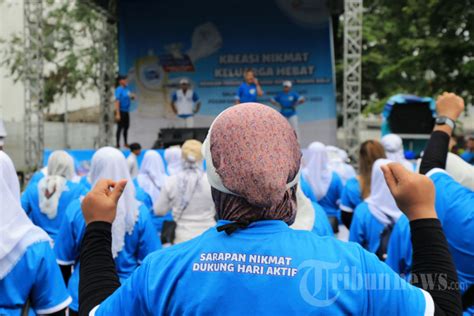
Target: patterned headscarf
{"points": [[253, 158]]}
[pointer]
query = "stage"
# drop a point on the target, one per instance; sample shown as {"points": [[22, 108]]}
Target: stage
{"points": [[161, 43]]}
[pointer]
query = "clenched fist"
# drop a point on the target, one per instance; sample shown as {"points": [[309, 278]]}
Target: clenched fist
{"points": [[100, 204], [414, 193], [450, 105]]}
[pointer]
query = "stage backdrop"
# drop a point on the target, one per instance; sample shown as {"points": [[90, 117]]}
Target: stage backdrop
{"points": [[211, 43]]}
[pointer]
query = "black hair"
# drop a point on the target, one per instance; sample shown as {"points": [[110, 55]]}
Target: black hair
{"points": [[119, 77], [135, 146]]}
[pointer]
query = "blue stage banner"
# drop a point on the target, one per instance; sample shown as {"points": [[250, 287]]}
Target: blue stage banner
{"points": [[211, 43]]}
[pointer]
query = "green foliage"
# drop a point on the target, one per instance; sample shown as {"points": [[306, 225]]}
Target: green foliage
{"points": [[417, 47], [70, 48]]}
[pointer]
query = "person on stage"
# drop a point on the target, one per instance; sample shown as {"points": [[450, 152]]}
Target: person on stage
{"points": [[185, 103], [123, 97], [287, 100], [250, 89]]}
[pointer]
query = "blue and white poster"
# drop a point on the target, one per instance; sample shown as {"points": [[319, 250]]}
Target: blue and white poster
{"points": [[212, 43]]}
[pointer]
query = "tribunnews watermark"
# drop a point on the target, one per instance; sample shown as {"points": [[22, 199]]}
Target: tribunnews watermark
{"points": [[322, 282]]}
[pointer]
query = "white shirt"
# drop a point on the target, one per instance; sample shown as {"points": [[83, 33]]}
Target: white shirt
{"points": [[132, 165], [196, 218], [184, 102]]}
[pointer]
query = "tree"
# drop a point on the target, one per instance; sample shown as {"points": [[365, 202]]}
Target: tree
{"points": [[71, 33], [417, 47]]}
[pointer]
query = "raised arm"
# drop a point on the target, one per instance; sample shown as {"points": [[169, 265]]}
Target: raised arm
{"points": [[415, 196], [450, 106], [259, 87], [98, 276]]}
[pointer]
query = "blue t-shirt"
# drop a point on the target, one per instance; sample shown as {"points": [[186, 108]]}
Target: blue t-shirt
{"points": [[122, 94], [468, 157], [455, 208], [399, 251], [365, 228], [30, 203], [38, 175], [247, 93], [321, 227], [36, 276], [142, 241], [288, 101], [260, 271], [351, 195], [329, 202]]}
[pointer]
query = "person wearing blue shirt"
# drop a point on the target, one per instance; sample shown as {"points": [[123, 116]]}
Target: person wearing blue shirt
{"points": [[454, 202], [468, 154], [376, 213], [252, 262], [287, 100], [250, 89], [46, 201], [134, 238], [320, 184], [123, 97], [351, 195], [358, 188], [399, 251], [310, 216], [185, 103], [321, 227], [28, 271]]}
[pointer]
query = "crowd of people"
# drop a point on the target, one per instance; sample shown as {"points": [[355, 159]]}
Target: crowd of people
{"points": [[245, 223]]}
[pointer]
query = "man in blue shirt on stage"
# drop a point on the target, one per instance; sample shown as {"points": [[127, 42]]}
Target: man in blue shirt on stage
{"points": [[287, 100], [123, 97], [250, 89]]}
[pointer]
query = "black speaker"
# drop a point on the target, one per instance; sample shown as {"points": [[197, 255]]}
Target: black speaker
{"points": [[177, 136], [411, 118]]}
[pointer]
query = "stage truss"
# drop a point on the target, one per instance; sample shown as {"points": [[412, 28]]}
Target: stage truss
{"points": [[352, 75], [107, 70], [33, 84]]}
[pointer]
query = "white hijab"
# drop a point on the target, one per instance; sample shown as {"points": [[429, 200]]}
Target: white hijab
{"points": [[305, 215], [173, 160], [337, 163], [316, 170], [381, 202], [152, 174], [50, 188], [17, 232], [110, 163], [393, 145], [189, 178]]}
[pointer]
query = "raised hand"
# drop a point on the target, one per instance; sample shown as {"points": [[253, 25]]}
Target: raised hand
{"points": [[100, 204], [449, 105], [414, 193]]}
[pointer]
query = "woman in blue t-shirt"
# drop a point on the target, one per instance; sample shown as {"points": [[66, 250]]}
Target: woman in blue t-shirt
{"points": [[320, 184], [46, 202], [134, 236], [357, 189], [252, 262], [28, 270], [378, 212]]}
